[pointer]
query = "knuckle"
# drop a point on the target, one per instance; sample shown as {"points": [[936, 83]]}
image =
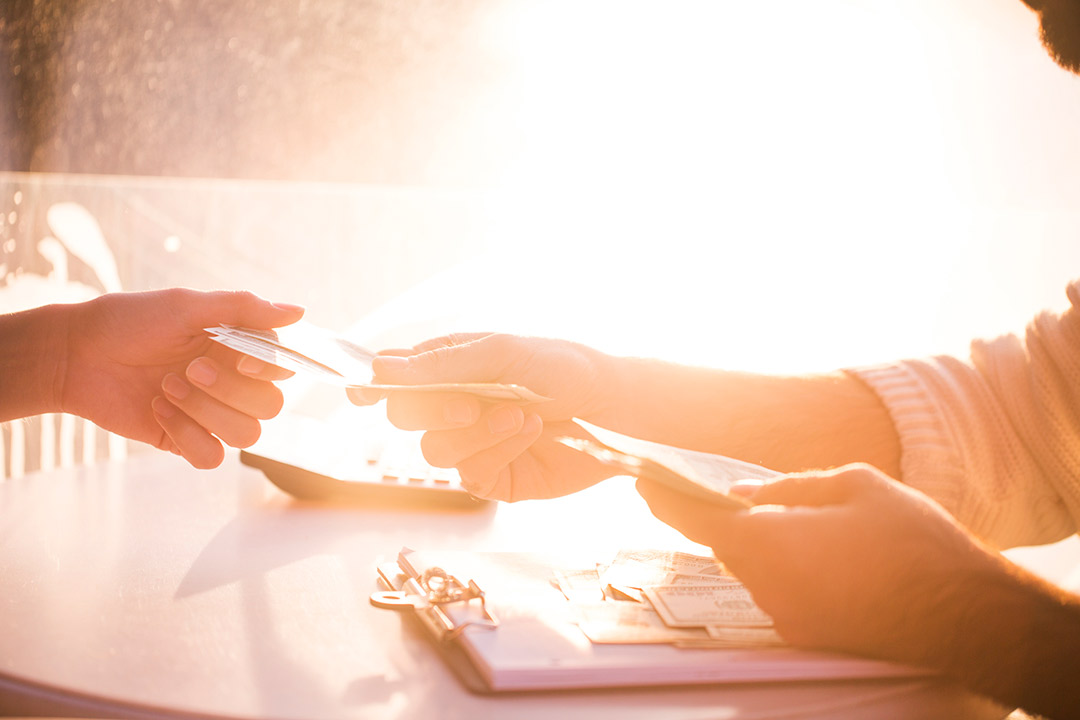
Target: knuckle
{"points": [[244, 297]]}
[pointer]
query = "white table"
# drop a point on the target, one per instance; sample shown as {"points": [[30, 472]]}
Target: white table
{"points": [[148, 589]]}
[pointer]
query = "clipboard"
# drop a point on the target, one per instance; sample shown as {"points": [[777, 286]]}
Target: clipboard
{"points": [[506, 628]]}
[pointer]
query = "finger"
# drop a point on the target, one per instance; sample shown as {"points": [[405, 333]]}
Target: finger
{"points": [[235, 307], [488, 473], [232, 426], [702, 522], [447, 448], [432, 411], [164, 442], [432, 344], [256, 368], [482, 359], [813, 489], [450, 340], [186, 437], [364, 396], [257, 398]]}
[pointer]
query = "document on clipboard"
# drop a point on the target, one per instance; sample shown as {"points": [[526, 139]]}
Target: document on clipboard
{"points": [[502, 626]]}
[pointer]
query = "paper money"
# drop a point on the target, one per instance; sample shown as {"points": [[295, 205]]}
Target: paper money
{"points": [[724, 605], [579, 586], [701, 475], [744, 636], [677, 598], [623, 623], [318, 353], [639, 568]]}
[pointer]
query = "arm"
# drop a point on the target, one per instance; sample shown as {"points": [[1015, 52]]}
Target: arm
{"points": [[140, 365], [508, 452], [32, 348], [996, 438], [849, 560], [787, 423]]}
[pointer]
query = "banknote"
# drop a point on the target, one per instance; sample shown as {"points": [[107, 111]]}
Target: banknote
{"points": [[744, 636], [318, 353], [718, 605], [623, 623], [701, 475], [579, 585], [639, 568]]}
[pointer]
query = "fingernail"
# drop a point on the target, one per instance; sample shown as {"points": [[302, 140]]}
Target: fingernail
{"points": [[174, 386], [248, 365], [202, 373], [163, 407], [503, 420], [288, 307], [458, 411]]}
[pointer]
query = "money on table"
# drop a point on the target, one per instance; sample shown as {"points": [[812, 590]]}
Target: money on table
{"points": [[678, 598]]}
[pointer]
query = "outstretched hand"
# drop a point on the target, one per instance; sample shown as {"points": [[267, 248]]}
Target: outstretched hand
{"points": [[502, 451], [140, 365]]}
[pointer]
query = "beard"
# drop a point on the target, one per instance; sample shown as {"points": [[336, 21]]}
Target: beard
{"points": [[1059, 23]]}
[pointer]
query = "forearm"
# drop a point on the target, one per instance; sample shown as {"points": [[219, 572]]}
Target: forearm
{"points": [[32, 357], [1016, 638], [788, 423]]}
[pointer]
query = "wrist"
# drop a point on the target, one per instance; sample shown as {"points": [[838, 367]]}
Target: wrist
{"points": [[34, 355], [606, 404], [1013, 636]]}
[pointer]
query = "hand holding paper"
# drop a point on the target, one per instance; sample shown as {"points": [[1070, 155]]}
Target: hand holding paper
{"points": [[306, 349], [502, 450]]}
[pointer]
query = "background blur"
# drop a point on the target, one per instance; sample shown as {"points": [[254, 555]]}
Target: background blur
{"points": [[780, 186]]}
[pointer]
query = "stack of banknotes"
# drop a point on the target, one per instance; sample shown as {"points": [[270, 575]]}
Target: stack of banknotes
{"points": [[654, 596]]}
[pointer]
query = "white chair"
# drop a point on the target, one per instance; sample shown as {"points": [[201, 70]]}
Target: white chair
{"points": [[57, 440]]}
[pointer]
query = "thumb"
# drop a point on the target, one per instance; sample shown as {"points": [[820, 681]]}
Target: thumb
{"points": [[483, 359], [812, 489], [240, 307]]}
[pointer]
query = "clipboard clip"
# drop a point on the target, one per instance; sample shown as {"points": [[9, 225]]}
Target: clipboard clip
{"points": [[431, 594]]}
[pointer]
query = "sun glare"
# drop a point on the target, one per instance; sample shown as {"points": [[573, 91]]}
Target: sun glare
{"points": [[778, 188]]}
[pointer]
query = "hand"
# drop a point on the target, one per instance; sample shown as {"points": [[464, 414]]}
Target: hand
{"points": [[844, 559], [140, 365], [502, 451]]}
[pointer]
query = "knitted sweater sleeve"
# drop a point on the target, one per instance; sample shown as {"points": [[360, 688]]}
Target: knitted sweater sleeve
{"points": [[995, 438]]}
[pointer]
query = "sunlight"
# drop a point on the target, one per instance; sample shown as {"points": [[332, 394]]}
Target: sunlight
{"points": [[778, 188]]}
